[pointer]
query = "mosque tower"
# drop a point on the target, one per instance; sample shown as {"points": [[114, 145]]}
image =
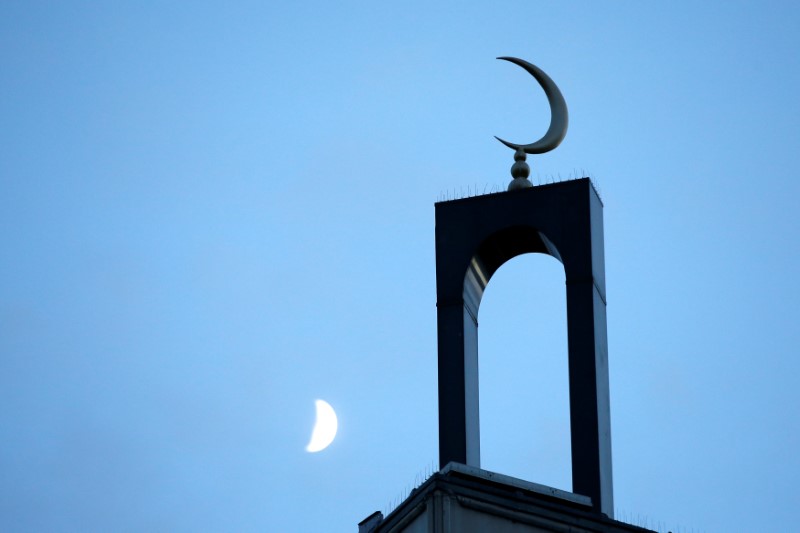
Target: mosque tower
{"points": [[474, 238]]}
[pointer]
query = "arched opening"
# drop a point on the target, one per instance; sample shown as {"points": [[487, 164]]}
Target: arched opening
{"points": [[524, 372]]}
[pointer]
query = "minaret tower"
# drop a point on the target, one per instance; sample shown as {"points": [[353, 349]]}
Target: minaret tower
{"points": [[474, 238]]}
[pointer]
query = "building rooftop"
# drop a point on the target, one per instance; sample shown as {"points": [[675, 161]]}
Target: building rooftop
{"points": [[466, 499]]}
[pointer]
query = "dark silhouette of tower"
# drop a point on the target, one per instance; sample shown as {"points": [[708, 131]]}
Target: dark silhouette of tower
{"points": [[474, 238]]}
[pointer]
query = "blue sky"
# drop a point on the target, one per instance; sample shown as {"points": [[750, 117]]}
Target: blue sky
{"points": [[212, 215]]}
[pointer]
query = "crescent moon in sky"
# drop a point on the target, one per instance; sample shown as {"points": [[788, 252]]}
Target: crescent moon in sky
{"points": [[559, 118], [324, 428]]}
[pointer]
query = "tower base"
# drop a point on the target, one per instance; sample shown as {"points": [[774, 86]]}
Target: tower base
{"points": [[465, 499]]}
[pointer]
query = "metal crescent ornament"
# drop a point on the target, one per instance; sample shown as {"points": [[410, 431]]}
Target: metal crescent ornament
{"points": [[559, 117]]}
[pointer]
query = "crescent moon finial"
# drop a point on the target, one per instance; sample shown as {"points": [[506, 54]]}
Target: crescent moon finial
{"points": [[559, 120]]}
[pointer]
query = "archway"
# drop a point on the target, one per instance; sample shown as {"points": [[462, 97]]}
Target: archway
{"points": [[474, 238]]}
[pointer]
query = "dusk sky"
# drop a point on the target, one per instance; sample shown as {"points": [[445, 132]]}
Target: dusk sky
{"points": [[212, 215]]}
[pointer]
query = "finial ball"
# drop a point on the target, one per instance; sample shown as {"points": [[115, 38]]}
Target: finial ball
{"points": [[520, 169]]}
